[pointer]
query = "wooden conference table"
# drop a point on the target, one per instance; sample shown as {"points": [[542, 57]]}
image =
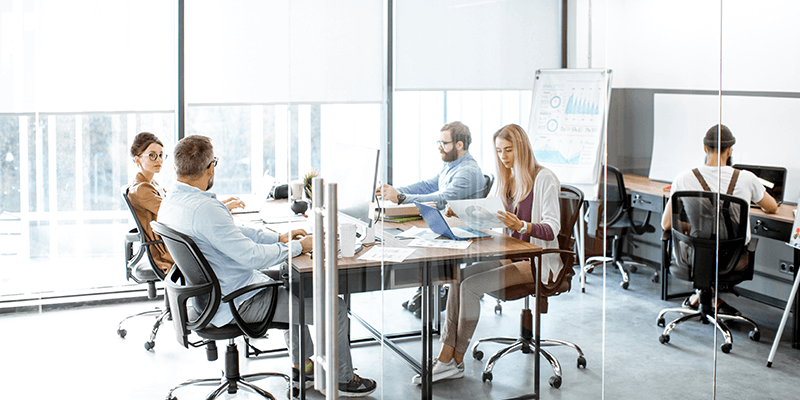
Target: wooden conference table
{"points": [[425, 268], [652, 195]]}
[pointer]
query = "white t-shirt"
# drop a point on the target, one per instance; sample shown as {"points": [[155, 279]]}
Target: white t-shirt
{"points": [[748, 186]]}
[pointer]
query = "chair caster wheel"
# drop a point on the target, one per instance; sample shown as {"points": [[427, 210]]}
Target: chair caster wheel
{"points": [[660, 322], [655, 278], [498, 309], [477, 354], [726, 348], [589, 270], [405, 304], [149, 345], [122, 333], [754, 336], [632, 269], [486, 376], [624, 285], [581, 362], [664, 339], [555, 381]]}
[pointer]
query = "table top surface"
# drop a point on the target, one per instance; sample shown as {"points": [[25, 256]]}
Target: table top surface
{"points": [[643, 184], [497, 246]]}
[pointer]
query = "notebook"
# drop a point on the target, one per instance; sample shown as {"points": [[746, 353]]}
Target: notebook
{"points": [[437, 223], [773, 178]]}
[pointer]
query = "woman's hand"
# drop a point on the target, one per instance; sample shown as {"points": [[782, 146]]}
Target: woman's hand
{"points": [[233, 202], [294, 234], [510, 220], [448, 212]]}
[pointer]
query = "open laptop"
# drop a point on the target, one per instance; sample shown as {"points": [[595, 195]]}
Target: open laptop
{"points": [[773, 178], [437, 223]]}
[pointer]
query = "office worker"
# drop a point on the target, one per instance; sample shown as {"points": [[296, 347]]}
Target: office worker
{"points": [[531, 194], [238, 254], [717, 173], [460, 177], [145, 193]]}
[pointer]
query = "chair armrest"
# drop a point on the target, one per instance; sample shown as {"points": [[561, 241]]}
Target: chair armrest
{"points": [[249, 288], [254, 329]]}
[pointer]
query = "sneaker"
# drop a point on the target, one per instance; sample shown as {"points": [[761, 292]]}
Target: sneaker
{"points": [[688, 303], [442, 370], [726, 309], [296, 378], [357, 387]]}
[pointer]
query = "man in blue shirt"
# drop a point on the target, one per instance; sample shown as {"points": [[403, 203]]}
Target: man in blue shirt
{"points": [[460, 177], [238, 254]]}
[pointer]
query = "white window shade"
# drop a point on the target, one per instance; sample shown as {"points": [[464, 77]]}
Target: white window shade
{"points": [[475, 44], [85, 55], [284, 51]]}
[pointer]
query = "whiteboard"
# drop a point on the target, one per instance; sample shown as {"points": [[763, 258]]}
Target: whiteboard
{"points": [[765, 128], [568, 123]]}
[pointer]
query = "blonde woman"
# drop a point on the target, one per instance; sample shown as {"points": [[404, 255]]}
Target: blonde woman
{"points": [[531, 195]]}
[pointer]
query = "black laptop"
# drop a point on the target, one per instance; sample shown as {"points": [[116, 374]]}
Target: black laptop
{"points": [[773, 178]]}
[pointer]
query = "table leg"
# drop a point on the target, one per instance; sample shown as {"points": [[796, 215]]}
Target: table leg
{"points": [[427, 337], [301, 317]]}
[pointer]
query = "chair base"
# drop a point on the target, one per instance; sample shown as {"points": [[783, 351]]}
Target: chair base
{"points": [[526, 346], [160, 315], [232, 380], [632, 267], [719, 323]]}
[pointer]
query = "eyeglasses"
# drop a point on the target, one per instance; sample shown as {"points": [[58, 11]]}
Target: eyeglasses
{"points": [[213, 162], [442, 144], [154, 156]]}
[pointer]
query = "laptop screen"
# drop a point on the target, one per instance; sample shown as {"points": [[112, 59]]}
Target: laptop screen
{"points": [[773, 178]]}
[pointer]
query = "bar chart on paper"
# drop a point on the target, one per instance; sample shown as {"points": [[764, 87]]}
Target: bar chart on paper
{"points": [[567, 122]]}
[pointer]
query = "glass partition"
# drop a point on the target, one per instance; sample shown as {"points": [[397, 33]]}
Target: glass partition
{"points": [[79, 82]]}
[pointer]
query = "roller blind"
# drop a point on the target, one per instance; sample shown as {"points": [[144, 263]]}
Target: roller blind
{"points": [[284, 51], [85, 55], [475, 44]]}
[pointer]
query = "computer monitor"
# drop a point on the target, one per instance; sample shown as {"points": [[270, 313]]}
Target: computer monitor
{"points": [[355, 171], [773, 178]]}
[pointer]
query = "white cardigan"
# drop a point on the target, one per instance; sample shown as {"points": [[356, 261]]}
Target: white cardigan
{"points": [[546, 209]]}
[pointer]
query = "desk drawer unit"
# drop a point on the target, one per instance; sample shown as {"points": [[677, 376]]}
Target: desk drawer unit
{"points": [[770, 228], [647, 202]]}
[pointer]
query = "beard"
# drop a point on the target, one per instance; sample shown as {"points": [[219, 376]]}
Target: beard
{"points": [[450, 156]]}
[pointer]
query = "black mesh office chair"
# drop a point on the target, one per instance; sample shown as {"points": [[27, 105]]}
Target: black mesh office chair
{"points": [[571, 200], [142, 269], [618, 221], [193, 278], [489, 182], [693, 239]]}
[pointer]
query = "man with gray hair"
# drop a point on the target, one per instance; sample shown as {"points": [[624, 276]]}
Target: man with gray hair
{"points": [[240, 256]]}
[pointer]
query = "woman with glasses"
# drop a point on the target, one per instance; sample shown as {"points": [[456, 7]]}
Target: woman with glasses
{"points": [[145, 194], [530, 193]]}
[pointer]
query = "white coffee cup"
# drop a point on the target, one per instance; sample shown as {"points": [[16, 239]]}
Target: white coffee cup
{"points": [[297, 190], [347, 239]]}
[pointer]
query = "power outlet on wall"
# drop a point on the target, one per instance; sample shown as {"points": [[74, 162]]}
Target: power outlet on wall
{"points": [[786, 266]]}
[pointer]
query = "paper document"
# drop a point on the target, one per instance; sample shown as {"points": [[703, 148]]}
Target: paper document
{"points": [[415, 232], [479, 213], [442, 244], [387, 254]]}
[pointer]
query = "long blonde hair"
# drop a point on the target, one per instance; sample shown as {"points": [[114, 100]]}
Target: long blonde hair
{"points": [[517, 182]]}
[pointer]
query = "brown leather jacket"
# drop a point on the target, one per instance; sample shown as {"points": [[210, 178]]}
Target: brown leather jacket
{"points": [[146, 200]]}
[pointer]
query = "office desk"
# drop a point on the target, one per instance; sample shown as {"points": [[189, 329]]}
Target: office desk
{"points": [[652, 196], [425, 267]]}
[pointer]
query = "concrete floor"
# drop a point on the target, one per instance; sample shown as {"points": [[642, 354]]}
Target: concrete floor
{"points": [[77, 354]]}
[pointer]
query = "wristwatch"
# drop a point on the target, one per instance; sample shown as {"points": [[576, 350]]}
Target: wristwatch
{"points": [[401, 198], [524, 229]]}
